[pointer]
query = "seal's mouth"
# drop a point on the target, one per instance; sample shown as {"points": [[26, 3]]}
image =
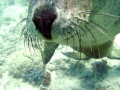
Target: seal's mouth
{"points": [[44, 25], [43, 20]]}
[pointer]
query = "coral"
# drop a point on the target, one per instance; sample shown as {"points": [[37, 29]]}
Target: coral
{"points": [[75, 68], [34, 75], [100, 68]]}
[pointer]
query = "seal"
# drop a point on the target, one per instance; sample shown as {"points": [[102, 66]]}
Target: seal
{"points": [[87, 26]]}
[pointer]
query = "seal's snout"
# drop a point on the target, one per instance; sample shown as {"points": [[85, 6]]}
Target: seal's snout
{"points": [[43, 20]]}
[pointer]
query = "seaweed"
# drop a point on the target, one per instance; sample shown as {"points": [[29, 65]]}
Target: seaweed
{"points": [[75, 68], [100, 69], [34, 75]]}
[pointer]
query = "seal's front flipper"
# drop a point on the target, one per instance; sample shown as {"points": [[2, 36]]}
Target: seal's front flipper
{"points": [[49, 49]]}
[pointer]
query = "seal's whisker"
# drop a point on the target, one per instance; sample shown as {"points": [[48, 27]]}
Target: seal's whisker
{"points": [[24, 28], [87, 37], [28, 38], [98, 25], [83, 51], [91, 22], [73, 44], [94, 39], [102, 32], [79, 38], [97, 29], [81, 47], [100, 13], [25, 38], [72, 38], [85, 34], [77, 32], [80, 42], [31, 40], [38, 46], [20, 23]]}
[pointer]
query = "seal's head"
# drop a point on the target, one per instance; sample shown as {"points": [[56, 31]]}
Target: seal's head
{"points": [[51, 19], [88, 26]]}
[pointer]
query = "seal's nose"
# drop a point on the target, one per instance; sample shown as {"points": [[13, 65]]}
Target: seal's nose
{"points": [[43, 21]]}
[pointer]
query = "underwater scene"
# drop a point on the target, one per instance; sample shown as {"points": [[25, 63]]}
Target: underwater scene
{"points": [[88, 35]]}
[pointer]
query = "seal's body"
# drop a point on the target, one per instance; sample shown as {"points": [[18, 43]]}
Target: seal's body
{"points": [[88, 26]]}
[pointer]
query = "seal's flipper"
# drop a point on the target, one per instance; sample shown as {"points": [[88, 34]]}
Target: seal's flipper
{"points": [[49, 49]]}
